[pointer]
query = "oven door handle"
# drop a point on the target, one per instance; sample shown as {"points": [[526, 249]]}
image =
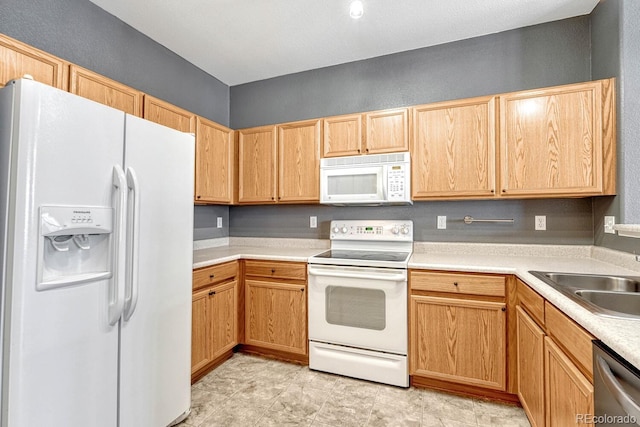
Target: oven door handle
{"points": [[394, 277], [628, 404]]}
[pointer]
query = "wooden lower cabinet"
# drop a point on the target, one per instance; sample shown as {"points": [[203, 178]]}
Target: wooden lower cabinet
{"points": [[276, 315], [459, 340], [214, 323], [530, 343], [569, 394]]}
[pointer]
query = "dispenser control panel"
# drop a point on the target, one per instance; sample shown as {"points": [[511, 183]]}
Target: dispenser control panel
{"points": [[66, 220]]}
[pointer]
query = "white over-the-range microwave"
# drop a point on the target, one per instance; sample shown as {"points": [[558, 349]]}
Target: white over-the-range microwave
{"points": [[374, 179]]}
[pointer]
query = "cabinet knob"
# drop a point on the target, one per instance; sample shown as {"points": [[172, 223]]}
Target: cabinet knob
{"points": [[197, 197], [212, 293], [493, 191], [211, 276], [504, 308], [273, 198], [358, 150], [504, 191], [273, 270], [301, 289], [455, 283], [366, 150]]}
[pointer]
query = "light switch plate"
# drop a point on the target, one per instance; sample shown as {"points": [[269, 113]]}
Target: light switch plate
{"points": [[442, 223], [313, 222], [609, 222], [219, 222], [541, 222]]}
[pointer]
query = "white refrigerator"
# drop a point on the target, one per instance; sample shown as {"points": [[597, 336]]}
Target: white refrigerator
{"points": [[96, 214]]}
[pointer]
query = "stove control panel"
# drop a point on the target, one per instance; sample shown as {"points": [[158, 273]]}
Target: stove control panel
{"points": [[381, 230]]}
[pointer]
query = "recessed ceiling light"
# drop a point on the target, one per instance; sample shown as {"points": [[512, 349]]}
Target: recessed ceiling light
{"points": [[356, 9]]}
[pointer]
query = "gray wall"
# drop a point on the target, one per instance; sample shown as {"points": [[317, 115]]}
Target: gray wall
{"points": [[615, 36], [538, 56], [82, 33]]}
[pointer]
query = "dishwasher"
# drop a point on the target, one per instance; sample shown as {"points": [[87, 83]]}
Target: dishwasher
{"points": [[616, 388]]}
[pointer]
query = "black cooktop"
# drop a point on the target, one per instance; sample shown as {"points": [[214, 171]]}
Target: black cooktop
{"points": [[364, 255]]}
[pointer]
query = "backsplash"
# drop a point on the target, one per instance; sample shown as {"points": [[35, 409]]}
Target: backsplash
{"points": [[568, 221]]}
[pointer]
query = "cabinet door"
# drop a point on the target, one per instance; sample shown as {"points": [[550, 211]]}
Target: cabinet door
{"points": [[276, 316], [215, 163], [551, 141], [453, 149], [299, 162], [257, 165], [200, 330], [342, 136], [530, 343], [459, 340], [386, 131], [159, 111], [569, 395], [105, 91], [224, 324], [18, 59]]}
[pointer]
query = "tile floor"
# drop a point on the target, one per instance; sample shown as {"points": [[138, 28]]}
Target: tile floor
{"points": [[252, 391]]}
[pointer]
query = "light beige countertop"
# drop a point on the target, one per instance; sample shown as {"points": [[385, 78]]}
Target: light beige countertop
{"points": [[622, 335]]}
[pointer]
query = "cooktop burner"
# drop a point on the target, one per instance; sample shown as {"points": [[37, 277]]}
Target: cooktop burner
{"points": [[364, 255]]}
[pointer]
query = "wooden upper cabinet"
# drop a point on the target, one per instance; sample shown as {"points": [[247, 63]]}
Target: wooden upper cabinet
{"points": [[558, 141], [159, 111], [453, 149], [299, 162], [105, 91], [18, 59], [386, 131], [215, 163], [342, 136], [257, 165]]}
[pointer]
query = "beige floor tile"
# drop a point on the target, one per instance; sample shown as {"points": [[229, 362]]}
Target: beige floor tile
{"points": [[300, 401]]}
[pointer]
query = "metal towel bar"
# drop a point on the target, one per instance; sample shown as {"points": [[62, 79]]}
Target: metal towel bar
{"points": [[470, 220]]}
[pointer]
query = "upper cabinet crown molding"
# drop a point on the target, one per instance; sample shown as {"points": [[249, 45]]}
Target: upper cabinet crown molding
{"points": [[164, 113], [18, 59], [101, 89]]}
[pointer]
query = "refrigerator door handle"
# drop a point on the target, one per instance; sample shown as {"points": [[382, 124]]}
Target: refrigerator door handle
{"points": [[133, 245], [116, 291]]}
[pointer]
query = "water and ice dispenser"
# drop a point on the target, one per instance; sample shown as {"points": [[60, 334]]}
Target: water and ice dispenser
{"points": [[73, 245]]}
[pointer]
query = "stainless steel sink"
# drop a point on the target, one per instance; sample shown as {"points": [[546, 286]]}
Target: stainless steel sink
{"points": [[607, 295]]}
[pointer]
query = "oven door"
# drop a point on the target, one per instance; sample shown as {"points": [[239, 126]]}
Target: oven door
{"points": [[352, 185], [359, 307]]}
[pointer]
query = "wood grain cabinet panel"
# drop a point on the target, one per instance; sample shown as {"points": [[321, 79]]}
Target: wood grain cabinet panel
{"points": [[257, 165], [276, 316], [459, 340], [387, 131], [530, 344], [215, 163], [458, 283], [299, 162], [453, 149], [568, 393], [200, 330], [101, 89], [342, 135], [553, 142], [161, 112], [18, 59]]}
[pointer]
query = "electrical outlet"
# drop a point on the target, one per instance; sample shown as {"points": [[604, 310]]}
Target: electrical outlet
{"points": [[442, 223], [609, 222], [541, 222], [219, 222], [313, 222]]}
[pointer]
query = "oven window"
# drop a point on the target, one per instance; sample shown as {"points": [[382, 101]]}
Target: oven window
{"points": [[352, 184], [356, 307]]}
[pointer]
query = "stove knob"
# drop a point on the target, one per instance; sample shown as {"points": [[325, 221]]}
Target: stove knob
{"points": [[395, 229], [344, 230], [405, 229], [336, 230]]}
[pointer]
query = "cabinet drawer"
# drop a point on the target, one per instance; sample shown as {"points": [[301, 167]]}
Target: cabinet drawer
{"points": [[532, 302], [470, 284], [275, 269], [214, 274], [571, 337]]}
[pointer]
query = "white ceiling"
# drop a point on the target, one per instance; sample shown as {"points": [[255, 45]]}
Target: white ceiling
{"points": [[240, 41]]}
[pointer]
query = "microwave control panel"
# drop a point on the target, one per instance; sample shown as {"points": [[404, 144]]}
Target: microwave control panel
{"points": [[397, 182]]}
